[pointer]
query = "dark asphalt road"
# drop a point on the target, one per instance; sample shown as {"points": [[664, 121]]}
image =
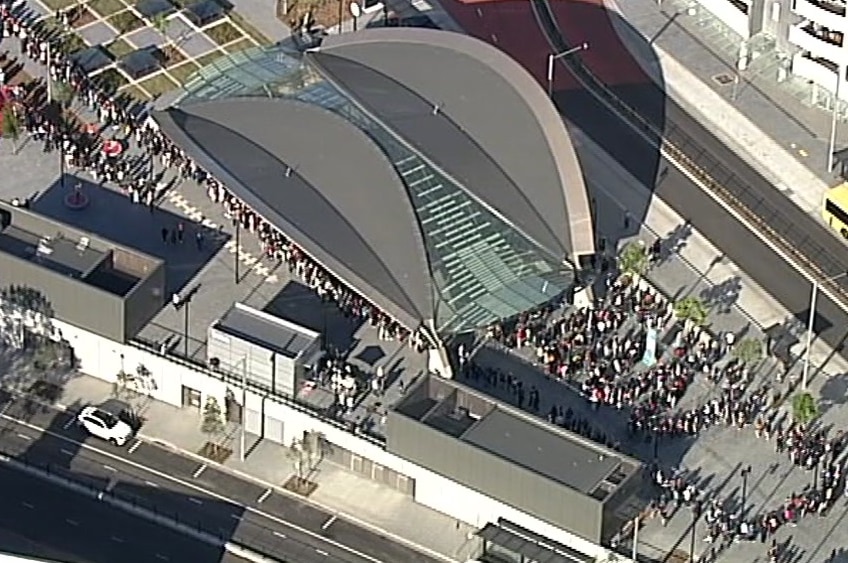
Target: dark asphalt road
{"points": [[340, 542], [43, 520]]}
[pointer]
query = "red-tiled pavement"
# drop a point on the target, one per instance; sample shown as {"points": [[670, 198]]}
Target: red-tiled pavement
{"points": [[512, 26]]}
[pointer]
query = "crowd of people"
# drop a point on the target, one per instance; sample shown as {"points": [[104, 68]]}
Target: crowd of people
{"points": [[83, 149]]}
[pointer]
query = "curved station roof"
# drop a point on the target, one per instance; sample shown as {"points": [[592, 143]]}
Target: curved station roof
{"points": [[424, 168]]}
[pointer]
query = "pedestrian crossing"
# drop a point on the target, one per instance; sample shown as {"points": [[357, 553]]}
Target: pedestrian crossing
{"points": [[254, 264]]}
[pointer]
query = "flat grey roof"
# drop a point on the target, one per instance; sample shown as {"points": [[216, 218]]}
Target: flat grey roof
{"points": [[542, 450], [323, 183], [65, 257], [264, 330], [508, 147]]}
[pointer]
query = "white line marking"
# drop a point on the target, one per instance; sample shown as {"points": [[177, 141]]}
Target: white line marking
{"points": [[236, 516], [194, 500], [134, 447], [279, 535], [68, 423], [28, 505], [321, 552], [71, 522], [162, 557], [329, 522], [151, 484], [67, 452], [110, 468], [264, 496], [199, 470], [117, 539], [24, 437], [190, 485]]}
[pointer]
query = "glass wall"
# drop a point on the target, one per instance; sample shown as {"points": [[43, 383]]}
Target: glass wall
{"points": [[482, 270]]}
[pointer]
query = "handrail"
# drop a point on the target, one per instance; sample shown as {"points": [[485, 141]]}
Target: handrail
{"points": [[227, 377]]}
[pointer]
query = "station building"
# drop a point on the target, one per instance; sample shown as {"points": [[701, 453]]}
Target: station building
{"points": [[432, 174]]}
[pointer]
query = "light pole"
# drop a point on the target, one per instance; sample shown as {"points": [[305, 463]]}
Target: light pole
{"points": [[833, 118], [237, 221], [745, 472], [553, 57], [243, 406], [811, 321]]}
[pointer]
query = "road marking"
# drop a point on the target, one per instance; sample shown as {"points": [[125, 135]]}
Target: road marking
{"points": [[24, 437], [195, 500], [109, 468], [134, 447], [329, 522], [162, 557], [199, 470], [151, 484], [28, 505], [71, 522], [279, 535], [68, 423], [236, 516], [117, 539], [67, 452], [193, 486], [321, 552], [264, 496]]}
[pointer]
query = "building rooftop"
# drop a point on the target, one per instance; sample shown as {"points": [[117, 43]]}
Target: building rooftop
{"points": [[268, 331], [484, 422], [67, 257]]}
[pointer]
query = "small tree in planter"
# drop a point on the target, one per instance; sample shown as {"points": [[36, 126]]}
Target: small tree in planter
{"points": [[749, 351], [805, 408], [299, 455], [692, 311], [633, 260], [11, 126], [213, 423]]}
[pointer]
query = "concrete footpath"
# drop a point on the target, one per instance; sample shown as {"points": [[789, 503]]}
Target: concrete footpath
{"points": [[644, 26]]}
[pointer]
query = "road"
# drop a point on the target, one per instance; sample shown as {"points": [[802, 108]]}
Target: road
{"points": [[195, 494], [43, 520]]}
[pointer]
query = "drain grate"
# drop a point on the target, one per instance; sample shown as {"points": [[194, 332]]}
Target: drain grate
{"points": [[723, 79]]}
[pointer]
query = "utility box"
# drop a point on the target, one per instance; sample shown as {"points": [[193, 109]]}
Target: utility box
{"points": [[266, 351]]}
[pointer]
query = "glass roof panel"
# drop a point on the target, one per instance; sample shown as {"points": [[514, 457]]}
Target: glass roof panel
{"points": [[483, 270]]}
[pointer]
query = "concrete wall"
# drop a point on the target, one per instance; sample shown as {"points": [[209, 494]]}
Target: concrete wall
{"points": [[496, 477], [73, 301], [145, 300], [101, 358]]}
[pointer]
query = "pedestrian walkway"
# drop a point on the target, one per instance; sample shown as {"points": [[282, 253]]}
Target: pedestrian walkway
{"points": [[759, 119], [354, 498]]}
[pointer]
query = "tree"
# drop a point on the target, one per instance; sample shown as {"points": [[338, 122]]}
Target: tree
{"points": [[161, 23], [691, 310], [299, 457], [28, 306], [213, 421], [805, 408], [11, 126], [63, 93], [313, 447], [633, 259], [749, 350]]}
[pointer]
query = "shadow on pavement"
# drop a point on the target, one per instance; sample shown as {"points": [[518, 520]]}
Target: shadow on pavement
{"points": [[532, 31], [115, 217]]}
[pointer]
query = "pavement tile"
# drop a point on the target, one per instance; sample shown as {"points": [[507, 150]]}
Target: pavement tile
{"points": [[197, 45], [146, 37], [98, 33], [178, 28]]}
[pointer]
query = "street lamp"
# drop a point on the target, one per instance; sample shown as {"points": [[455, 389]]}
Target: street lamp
{"points": [[840, 70], [745, 472], [811, 322], [237, 224], [553, 57]]}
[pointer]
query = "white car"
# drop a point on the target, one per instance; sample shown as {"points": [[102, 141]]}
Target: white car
{"points": [[104, 425]]}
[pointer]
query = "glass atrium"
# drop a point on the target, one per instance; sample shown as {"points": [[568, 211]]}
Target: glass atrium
{"points": [[482, 269]]}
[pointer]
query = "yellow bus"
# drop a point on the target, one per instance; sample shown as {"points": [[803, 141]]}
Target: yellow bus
{"points": [[835, 209]]}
